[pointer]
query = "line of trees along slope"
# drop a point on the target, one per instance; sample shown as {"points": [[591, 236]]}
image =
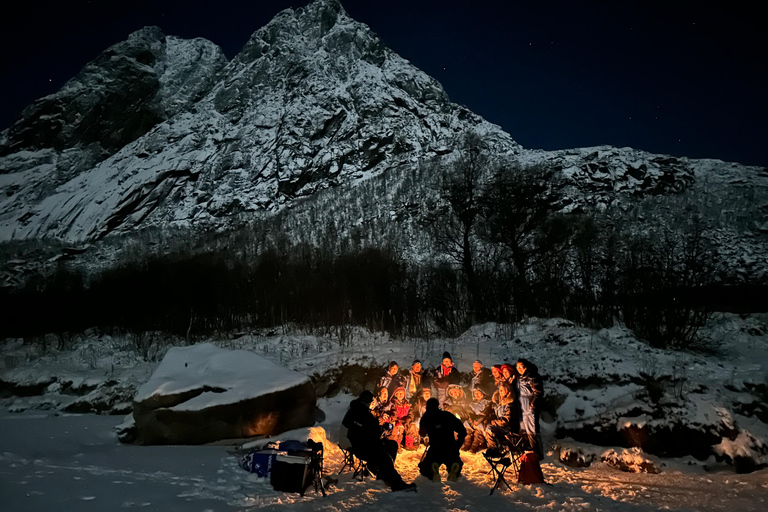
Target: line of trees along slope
{"points": [[503, 251]]}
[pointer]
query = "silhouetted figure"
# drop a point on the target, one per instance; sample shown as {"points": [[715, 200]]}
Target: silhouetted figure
{"points": [[364, 434], [446, 436]]}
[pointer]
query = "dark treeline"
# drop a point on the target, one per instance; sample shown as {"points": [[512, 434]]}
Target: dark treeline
{"points": [[502, 251], [595, 278], [196, 295]]}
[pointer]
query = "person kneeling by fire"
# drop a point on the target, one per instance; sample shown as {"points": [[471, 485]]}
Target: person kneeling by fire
{"points": [[364, 434], [446, 436]]}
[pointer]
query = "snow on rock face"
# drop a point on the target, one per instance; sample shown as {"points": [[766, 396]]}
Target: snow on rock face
{"points": [[116, 99], [313, 100], [204, 393]]}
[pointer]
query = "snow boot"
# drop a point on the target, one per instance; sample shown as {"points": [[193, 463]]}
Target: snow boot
{"points": [[436, 472], [454, 473]]}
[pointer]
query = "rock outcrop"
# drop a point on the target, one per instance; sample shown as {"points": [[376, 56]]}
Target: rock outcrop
{"points": [[202, 393]]}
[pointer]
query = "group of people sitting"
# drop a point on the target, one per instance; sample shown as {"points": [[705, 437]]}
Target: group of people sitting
{"points": [[473, 411]]}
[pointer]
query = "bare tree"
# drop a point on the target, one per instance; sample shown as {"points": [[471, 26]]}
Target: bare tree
{"points": [[454, 227], [517, 212]]}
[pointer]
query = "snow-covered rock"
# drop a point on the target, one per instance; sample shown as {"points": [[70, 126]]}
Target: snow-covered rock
{"points": [[204, 393], [632, 460]]}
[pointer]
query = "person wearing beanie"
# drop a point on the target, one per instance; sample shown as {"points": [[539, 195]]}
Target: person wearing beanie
{"points": [[446, 436], [445, 375], [392, 379], [364, 434]]}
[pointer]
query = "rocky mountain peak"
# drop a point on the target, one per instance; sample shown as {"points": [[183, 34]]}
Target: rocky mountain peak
{"points": [[160, 131]]}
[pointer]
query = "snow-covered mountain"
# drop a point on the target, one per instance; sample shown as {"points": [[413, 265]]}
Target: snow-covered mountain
{"points": [[159, 131]]}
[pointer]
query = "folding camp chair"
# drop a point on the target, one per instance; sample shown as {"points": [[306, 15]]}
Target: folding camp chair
{"points": [[499, 463], [508, 457], [358, 466]]}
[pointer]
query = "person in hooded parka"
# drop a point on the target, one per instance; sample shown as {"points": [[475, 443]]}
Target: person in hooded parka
{"points": [[364, 434], [530, 389], [446, 436], [402, 418], [456, 403], [502, 423], [478, 421], [420, 404], [382, 407]]}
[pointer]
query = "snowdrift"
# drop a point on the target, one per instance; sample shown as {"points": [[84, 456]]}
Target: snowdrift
{"points": [[204, 393]]}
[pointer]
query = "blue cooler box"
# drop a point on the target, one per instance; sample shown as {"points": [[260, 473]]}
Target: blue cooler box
{"points": [[261, 462]]}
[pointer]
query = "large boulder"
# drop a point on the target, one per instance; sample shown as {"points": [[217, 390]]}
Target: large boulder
{"points": [[204, 393]]}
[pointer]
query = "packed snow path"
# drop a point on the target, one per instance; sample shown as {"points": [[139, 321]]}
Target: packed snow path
{"points": [[76, 463]]}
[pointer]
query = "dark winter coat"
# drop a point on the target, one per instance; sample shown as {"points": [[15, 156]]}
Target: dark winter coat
{"points": [[503, 412], [483, 380], [363, 429], [442, 377], [382, 408], [482, 412], [419, 408], [441, 427], [391, 382], [530, 388]]}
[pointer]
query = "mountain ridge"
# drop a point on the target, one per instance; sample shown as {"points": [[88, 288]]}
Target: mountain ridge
{"points": [[313, 102]]}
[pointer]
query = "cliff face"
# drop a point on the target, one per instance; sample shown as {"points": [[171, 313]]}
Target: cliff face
{"points": [[158, 130]]}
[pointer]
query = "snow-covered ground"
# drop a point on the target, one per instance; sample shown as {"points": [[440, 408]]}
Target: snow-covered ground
{"points": [[51, 459]]}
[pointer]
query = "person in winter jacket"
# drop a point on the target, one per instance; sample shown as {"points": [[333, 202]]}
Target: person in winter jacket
{"points": [[420, 404], [446, 436], [496, 372], [412, 381], [456, 403], [477, 424], [443, 376], [503, 422], [400, 409], [381, 406], [508, 374], [530, 389], [481, 377], [391, 378], [364, 434]]}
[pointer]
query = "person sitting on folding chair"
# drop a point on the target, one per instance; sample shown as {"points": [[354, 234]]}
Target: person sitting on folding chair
{"points": [[477, 423], [502, 424], [364, 434], [446, 436]]}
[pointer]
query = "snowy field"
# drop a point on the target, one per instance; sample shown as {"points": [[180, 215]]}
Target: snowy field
{"points": [[74, 462], [54, 460]]}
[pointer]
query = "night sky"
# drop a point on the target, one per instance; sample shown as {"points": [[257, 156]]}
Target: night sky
{"points": [[687, 78]]}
